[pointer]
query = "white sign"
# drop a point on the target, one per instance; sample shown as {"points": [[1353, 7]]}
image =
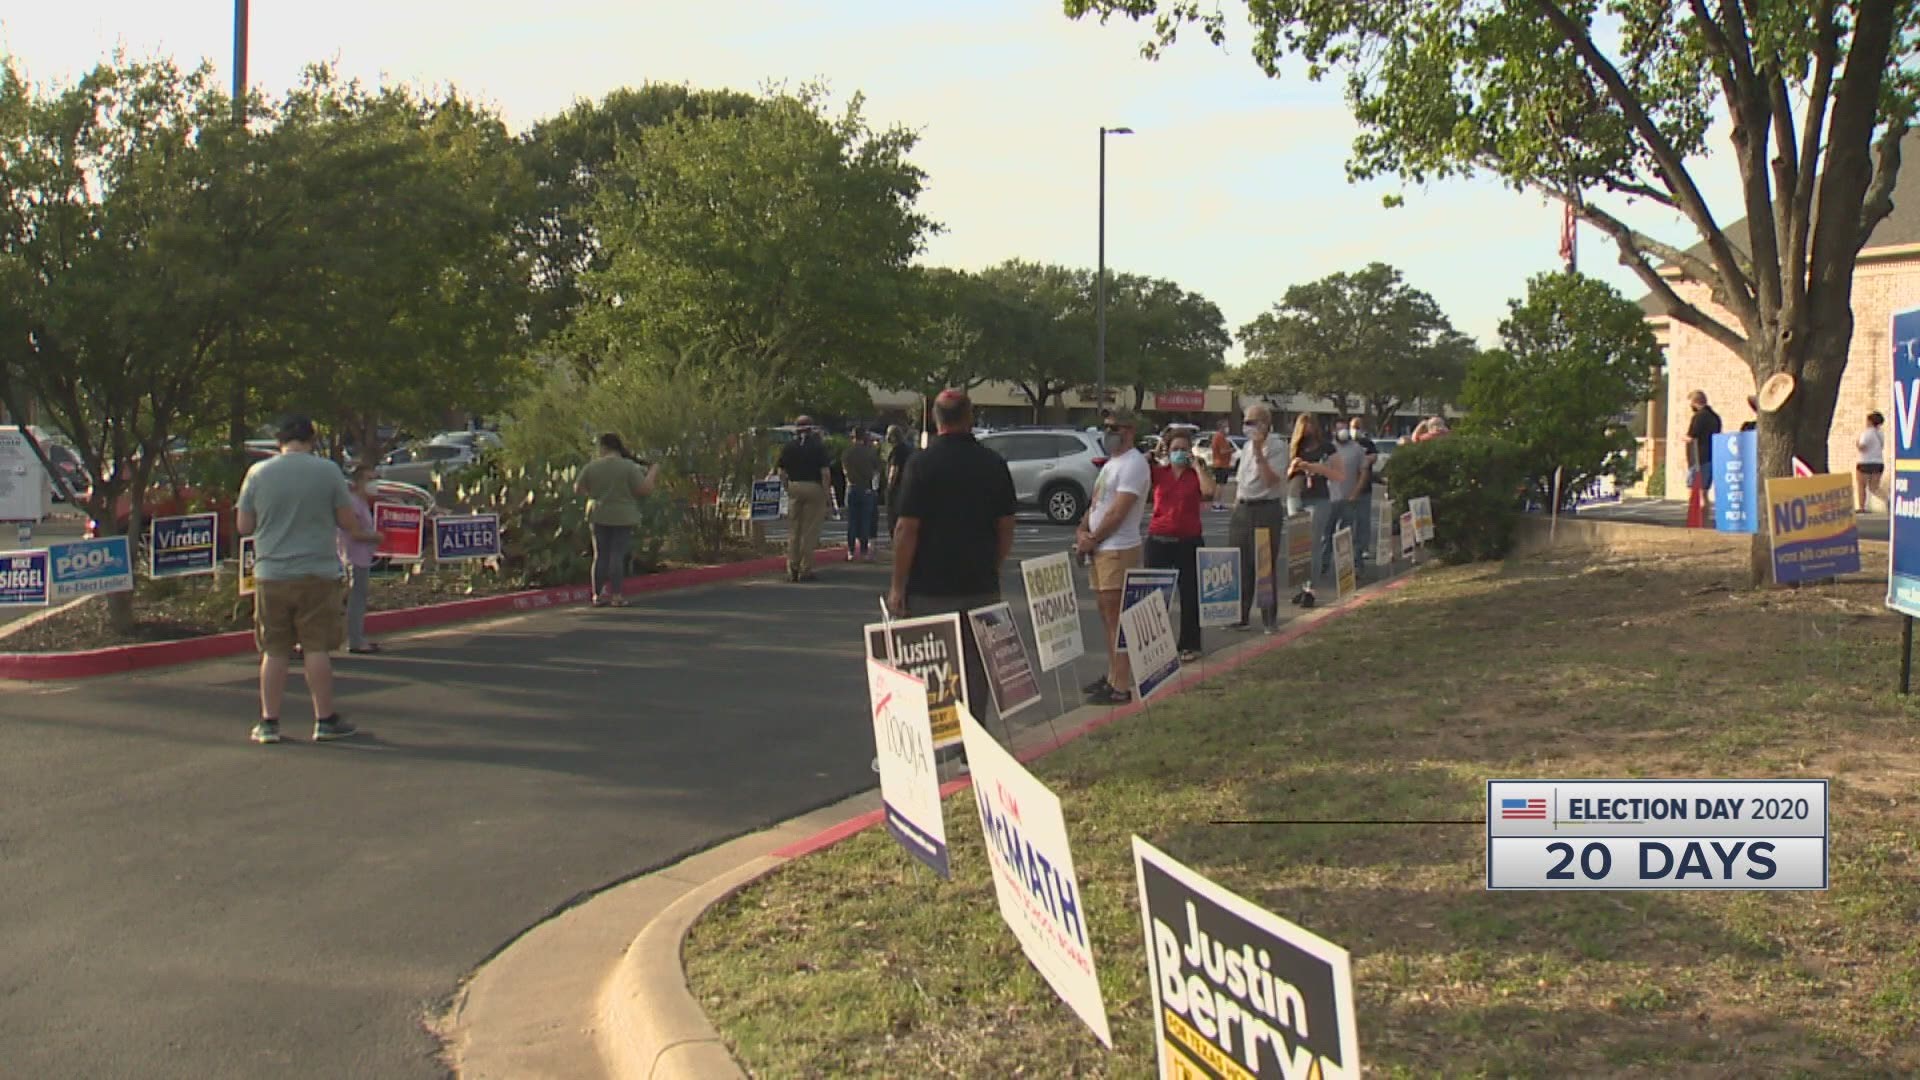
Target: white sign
{"points": [[1657, 834], [909, 783], [1422, 508], [1033, 877], [25, 493], [1055, 609], [1154, 654], [1346, 582], [1382, 528]]}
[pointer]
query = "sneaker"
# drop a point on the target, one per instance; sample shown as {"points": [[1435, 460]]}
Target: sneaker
{"points": [[1096, 686], [266, 731], [850, 555], [333, 728], [1306, 599], [1188, 656], [1110, 695]]}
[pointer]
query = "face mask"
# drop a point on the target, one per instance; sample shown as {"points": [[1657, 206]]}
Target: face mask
{"points": [[1344, 435], [1116, 442], [1181, 457]]}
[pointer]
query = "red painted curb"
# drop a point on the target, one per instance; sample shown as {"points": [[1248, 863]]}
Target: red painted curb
{"points": [[860, 823], [123, 658]]}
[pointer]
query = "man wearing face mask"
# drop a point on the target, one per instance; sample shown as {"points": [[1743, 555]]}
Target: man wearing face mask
{"points": [[1363, 497], [1259, 503], [1110, 533]]}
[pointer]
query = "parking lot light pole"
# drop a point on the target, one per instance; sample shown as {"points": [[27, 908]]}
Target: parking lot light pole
{"points": [[1100, 281]]}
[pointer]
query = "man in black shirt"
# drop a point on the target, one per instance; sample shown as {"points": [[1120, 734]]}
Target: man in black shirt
{"points": [[805, 468], [1753, 424], [1700, 432]]}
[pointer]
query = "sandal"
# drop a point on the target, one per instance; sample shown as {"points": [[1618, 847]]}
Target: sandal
{"points": [[1188, 656], [1096, 686], [1111, 695], [370, 649]]}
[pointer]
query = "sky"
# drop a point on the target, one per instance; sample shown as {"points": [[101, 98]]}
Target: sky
{"points": [[1233, 184]]}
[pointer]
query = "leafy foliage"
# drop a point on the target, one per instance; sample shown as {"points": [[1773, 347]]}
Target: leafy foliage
{"points": [[1047, 332], [1161, 336], [544, 535], [1475, 482]]}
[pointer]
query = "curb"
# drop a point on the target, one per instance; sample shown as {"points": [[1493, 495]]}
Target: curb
{"points": [[650, 1026], [120, 659]]}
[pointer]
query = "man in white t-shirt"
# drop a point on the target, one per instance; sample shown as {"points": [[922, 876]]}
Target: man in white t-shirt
{"points": [[1111, 534]]}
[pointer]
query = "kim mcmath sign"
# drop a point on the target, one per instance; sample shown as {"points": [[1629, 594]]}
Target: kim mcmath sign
{"points": [[1657, 834]]}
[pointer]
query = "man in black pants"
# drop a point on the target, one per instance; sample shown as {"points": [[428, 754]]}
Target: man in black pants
{"points": [[1259, 503]]}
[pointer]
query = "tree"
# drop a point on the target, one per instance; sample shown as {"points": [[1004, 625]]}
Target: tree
{"points": [[1574, 356], [1548, 97], [958, 330], [779, 237], [1160, 336], [1048, 330], [1363, 339]]}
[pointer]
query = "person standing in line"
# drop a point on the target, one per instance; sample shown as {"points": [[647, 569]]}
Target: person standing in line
{"points": [[1363, 496], [808, 473], [1700, 432], [1174, 534], [899, 449], [1260, 501], [1341, 472], [1753, 403], [293, 505], [356, 546], [1110, 534], [1867, 475], [1306, 490], [861, 464], [1220, 455], [614, 483]]}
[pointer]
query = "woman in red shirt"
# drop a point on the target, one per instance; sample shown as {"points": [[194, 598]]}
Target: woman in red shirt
{"points": [[1173, 535]]}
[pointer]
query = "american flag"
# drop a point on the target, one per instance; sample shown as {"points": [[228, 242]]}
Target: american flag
{"points": [[1523, 809], [1801, 468]]}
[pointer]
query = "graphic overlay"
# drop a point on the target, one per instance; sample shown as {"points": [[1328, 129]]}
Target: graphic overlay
{"points": [[89, 568], [1657, 834], [1156, 655], [909, 782], [1736, 482], [1299, 541], [1219, 586], [1813, 532], [1009, 668], [461, 537], [249, 556], [1033, 878], [928, 648], [1345, 580], [1237, 991], [184, 545], [1264, 588], [402, 530], [1903, 569], [1139, 583], [24, 579], [766, 501], [1054, 609]]}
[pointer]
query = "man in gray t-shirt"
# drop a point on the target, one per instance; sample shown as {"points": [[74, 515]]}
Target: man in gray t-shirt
{"points": [[1344, 471]]}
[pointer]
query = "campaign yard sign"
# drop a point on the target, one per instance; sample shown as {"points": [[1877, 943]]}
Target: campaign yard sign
{"points": [[1903, 567], [1409, 535], [909, 782], [1004, 654], [1155, 657], [89, 568], [184, 545], [24, 579], [1736, 481], [402, 530], [1220, 585], [1033, 877], [1382, 528], [1346, 582], [1812, 526], [766, 500], [1054, 608], [1299, 537], [249, 557], [457, 538], [928, 649], [1139, 583], [1422, 508], [1265, 589], [1236, 990]]}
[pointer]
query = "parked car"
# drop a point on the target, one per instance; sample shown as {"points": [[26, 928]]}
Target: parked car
{"points": [[1382, 450], [1203, 448], [1053, 468], [477, 441], [69, 468], [421, 463]]}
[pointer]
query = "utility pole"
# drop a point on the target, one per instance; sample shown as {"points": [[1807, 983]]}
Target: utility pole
{"points": [[237, 431], [1100, 281]]}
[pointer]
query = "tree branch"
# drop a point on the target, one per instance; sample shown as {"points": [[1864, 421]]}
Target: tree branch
{"points": [[1886, 172], [1634, 248], [1826, 51]]}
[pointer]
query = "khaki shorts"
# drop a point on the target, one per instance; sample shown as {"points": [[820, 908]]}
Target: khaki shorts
{"points": [[310, 612], [1110, 568]]}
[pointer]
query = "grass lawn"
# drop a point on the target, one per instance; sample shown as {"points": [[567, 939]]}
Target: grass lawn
{"points": [[857, 961]]}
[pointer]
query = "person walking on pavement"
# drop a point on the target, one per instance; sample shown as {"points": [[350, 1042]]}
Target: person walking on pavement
{"points": [[1307, 491], [614, 483], [899, 449], [1867, 475], [861, 463], [1220, 455], [1258, 489], [356, 547], [1174, 534], [1110, 534], [293, 505], [808, 473]]}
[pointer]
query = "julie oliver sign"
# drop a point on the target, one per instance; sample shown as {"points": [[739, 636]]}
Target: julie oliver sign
{"points": [[1033, 877], [1813, 534], [1736, 482], [766, 500], [1054, 608], [1219, 586], [1657, 834], [928, 649], [401, 529], [249, 558], [184, 545], [1236, 990], [1155, 657], [1903, 570], [466, 536], [89, 568], [23, 579], [909, 782], [1139, 583], [1003, 653]]}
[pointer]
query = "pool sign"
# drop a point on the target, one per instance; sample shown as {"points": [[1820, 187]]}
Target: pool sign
{"points": [[23, 579], [89, 568], [1736, 482], [184, 545], [466, 536], [1219, 570], [1903, 570]]}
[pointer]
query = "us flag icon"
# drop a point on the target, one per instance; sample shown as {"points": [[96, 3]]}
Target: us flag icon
{"points": [[1523, 809]]}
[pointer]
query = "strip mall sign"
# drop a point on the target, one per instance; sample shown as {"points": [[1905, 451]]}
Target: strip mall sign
{"points": [[1180, 400]]}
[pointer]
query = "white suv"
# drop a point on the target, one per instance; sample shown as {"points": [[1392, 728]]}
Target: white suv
{"points": [[1053, 468]]}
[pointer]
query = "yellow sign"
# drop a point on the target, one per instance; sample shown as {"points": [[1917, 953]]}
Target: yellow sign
{"points": [[247, 559]]}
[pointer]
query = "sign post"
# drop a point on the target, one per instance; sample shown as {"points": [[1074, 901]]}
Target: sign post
{"points": [[1139, 583], [184, 545], [1219, 570], [402, 529], [1055, 609], [457, 538], [1004, 653], [1811, 527], [24, 579], [1736, 480], [1903, 503], [909, 785]]}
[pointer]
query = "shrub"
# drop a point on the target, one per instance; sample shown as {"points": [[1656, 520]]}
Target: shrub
{"points": [[1475, 483], [545, 538]]}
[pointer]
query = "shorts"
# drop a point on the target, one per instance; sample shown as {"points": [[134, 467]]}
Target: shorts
{"points": [[1222, 475], [1871, 470], [309, 612], [1109, 572]]}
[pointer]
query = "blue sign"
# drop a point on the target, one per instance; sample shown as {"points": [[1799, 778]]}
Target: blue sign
{"points": [[183, 545], [23, 578], [89, 568], [766, 500], [1903, 571], [1139, 583], [466, 536], [1736, 482], [1219, 570]]}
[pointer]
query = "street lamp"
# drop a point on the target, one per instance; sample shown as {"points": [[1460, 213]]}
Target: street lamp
{"points": [[1100, 279]]}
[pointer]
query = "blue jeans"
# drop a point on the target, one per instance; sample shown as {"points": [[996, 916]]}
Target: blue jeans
{"points": [[863, 508]]}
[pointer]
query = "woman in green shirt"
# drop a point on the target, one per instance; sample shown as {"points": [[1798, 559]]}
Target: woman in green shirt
{"points": [[614, 483]]}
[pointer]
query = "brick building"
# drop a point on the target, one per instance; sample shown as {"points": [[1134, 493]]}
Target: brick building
{"points": [[1887, 279]]}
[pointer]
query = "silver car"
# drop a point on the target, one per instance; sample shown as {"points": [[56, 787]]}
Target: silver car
{"points": [[1053, 468], [419, 464]]}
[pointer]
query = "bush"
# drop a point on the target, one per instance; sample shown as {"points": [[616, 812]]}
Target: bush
{"points": [[545, 538], [1475, 483]]}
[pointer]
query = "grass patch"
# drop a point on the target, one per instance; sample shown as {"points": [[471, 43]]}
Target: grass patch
{"points": [[857, 961]]}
